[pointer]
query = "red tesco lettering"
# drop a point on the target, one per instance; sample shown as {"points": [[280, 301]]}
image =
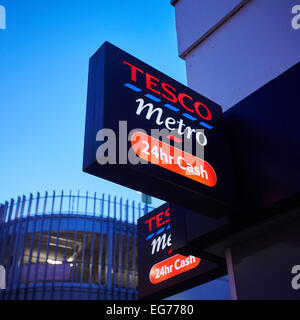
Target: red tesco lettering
{"points": [[169, 92]]}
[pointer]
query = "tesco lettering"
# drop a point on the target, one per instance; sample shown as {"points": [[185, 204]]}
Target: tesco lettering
{"points": [[168, 92]]}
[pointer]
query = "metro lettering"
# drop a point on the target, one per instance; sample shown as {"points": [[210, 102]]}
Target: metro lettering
{"points": [[151, 111], [160, 243]]}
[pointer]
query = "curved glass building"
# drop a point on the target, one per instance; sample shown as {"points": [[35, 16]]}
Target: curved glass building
{"points": [[69, 246]]}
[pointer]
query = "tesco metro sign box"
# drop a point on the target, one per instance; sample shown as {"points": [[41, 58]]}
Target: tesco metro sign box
{"points": [[146, 131], [163, 272]]}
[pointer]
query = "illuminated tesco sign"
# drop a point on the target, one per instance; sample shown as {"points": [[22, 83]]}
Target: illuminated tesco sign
{"points": [[163, 272], [148, 132]]}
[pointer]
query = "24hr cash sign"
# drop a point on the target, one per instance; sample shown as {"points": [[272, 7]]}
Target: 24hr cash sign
{"points": [[161, 271], [146, 131]]}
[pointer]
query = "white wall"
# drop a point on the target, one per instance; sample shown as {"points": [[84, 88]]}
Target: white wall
{"points": [[251, 48], [195, 18]]}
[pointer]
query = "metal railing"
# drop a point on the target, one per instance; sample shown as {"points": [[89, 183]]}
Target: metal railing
{"points": [[71, 239]]}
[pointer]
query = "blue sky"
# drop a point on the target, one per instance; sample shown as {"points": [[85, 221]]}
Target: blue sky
{"points": [[44, 57]]}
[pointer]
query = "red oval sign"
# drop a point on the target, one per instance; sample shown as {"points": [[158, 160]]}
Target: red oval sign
{"points": [[173, 159], [172, 267]]}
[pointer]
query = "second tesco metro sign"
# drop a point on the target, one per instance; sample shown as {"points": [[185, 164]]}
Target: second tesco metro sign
{"points": [[163, 272], [146, 131]]}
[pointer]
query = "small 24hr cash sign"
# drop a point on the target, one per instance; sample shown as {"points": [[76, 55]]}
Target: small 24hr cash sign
{"points": [[163, 272]]}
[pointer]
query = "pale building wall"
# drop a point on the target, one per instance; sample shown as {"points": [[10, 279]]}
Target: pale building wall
{"points": [[232, 47]]}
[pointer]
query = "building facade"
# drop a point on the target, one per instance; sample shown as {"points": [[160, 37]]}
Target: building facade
{"points": [[244, 55], [69, 246], [232, 48]]}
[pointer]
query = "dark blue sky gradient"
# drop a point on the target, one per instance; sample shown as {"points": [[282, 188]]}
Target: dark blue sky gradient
{"points": [[44, 57]]}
